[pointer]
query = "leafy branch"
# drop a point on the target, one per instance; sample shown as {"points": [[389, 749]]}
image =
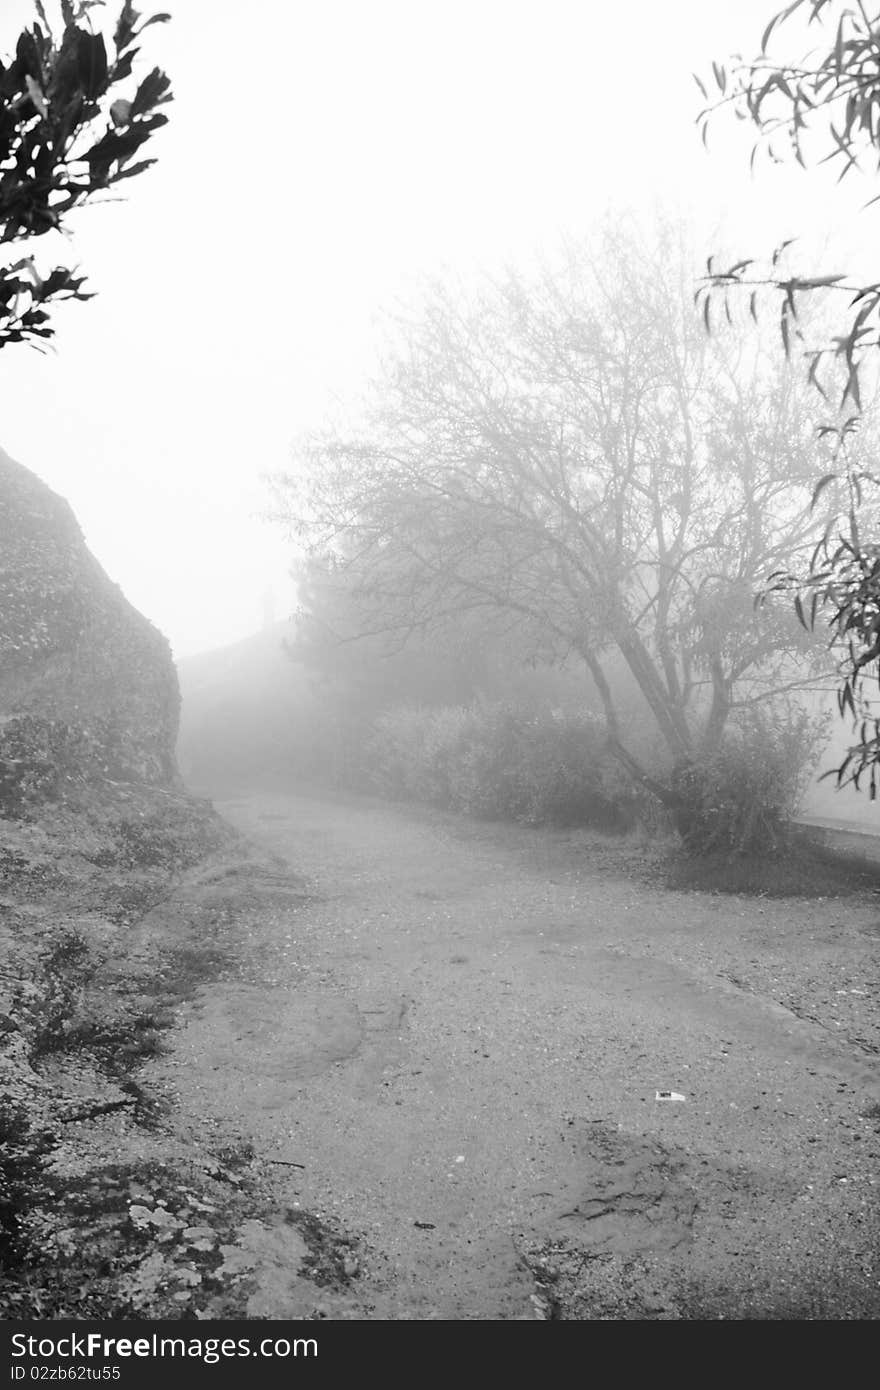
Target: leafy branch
{"points": [[826, 106], [832, 95], [73, 121]]}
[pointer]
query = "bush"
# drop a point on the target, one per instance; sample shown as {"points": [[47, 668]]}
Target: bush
{"points": [[500, 762], [419, 754], [45, 1006], [741, 799]]}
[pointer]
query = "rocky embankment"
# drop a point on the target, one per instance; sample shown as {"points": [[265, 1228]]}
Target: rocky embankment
{"points": [[88, 691], [114, 884]]}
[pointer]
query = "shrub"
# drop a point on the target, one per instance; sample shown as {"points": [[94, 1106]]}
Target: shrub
{"points": [[46, 1005], [740, 800], [500, 762], [413, 752]]}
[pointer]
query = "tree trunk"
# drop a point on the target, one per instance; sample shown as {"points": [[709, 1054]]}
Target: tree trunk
{"points": [[666, 793]]}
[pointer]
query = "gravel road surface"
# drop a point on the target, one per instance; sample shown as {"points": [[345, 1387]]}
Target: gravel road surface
{"points": [[454, 1049]]}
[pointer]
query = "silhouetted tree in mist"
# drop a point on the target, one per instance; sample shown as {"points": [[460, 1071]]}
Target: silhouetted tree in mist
{"points": [[569, 454]]}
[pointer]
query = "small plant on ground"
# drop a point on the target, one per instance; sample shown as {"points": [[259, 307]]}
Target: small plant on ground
{"points": [[47, 1007]]}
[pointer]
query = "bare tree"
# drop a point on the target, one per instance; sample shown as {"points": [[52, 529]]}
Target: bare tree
{"points": [[569, 452]]}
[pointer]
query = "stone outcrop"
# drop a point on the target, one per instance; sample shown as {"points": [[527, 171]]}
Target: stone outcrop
{"points": [[88, 690]]}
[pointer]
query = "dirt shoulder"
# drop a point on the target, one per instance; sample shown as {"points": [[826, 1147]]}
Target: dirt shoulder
{"points": [[113, 913]]}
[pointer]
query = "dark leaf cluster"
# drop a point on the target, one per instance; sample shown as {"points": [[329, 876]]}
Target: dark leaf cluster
{"points": [[74, 120]]}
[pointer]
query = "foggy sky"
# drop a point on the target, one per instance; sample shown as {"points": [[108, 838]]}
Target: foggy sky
{"points": [[321, 157]]}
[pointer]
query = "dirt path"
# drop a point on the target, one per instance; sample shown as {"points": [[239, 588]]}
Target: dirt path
{"points": [[454, 1049]]}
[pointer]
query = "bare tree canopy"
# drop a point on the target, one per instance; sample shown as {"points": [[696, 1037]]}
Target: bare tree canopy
{"points": [[570, 455]]}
